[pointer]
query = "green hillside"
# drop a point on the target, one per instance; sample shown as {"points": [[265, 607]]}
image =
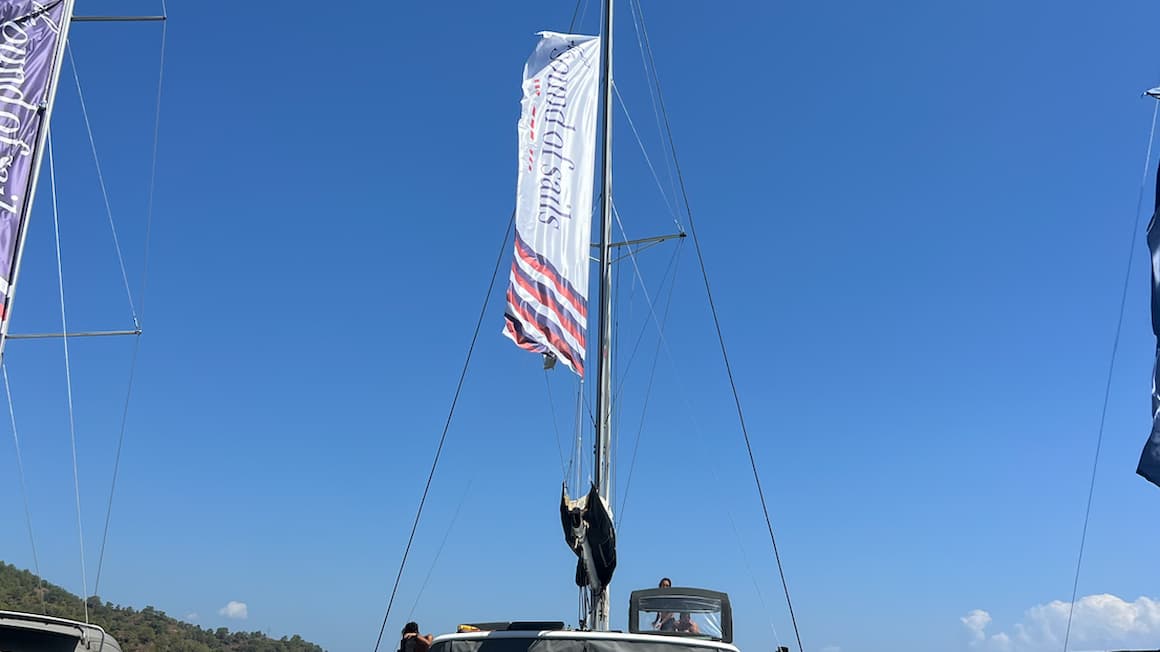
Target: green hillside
{"points": [[137, 631]]}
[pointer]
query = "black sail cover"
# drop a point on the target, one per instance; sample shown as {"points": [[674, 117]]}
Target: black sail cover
{"points": [[589, 533], [1149, 466]]}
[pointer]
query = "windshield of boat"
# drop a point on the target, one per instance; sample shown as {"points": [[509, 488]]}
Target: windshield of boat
{"points": [[21, 639], [680, 615]]}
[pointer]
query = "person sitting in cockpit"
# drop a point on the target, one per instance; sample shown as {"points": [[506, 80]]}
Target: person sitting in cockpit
{"points": [[687, 625], [666, 622], [664, 584]]}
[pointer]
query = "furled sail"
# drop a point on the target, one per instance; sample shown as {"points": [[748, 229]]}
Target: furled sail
{"points": [[1149, 466], [547, 297], [589, 533], [32, 38]]}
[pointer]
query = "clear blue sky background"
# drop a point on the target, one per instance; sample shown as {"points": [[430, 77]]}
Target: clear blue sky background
{"points": [[916, 218]]}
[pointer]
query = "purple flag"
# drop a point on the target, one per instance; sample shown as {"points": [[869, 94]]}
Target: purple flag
{"points": [[1149, 466], [30, 49]]}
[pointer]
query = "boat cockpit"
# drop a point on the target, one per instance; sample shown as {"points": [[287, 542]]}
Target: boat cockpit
{"points": [[673, 619]]}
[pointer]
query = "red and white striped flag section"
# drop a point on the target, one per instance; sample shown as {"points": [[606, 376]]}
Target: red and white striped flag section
{"points": [[547, 297]]}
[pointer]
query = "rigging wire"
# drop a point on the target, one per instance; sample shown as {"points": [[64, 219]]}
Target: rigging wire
{"points": [[648, 298], [140, 319], [1111, 368], [640, 336], [555, 426], [720, 334], [664, 195], [639, 248], [633, 9], [442, 544], [615, 408], [101, 179], [662, 343], [23, 489], [117, 462], [579, 454], [648, 392], [153, 164], [576, 12], [639, 278], [72, 428], [446, 426], [745, 557]]}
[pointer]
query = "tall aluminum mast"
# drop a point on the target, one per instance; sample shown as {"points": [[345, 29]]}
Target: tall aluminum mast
{"points": [[602, 470]]}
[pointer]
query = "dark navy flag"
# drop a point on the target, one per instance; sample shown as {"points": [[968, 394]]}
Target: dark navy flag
{"points": [[1150, 459]]}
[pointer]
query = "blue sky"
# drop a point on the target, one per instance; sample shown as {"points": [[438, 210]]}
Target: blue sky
{"points": [[916, 220]]}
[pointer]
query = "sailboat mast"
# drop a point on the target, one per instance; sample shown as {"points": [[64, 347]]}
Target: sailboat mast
{"points": [[602, 469]]}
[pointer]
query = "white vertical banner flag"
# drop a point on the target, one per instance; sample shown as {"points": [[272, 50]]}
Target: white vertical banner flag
{"points": [[547, 298]]}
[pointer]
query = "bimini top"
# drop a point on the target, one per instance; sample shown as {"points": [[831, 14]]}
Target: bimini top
{"points": [[573, 641], [23, 632], [681, 611]]}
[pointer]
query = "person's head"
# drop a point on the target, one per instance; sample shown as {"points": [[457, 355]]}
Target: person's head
{"points": [[685, 618], [665, 583], [411, 628]]}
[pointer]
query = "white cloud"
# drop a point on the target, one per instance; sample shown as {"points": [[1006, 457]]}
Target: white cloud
{"points": [[191, 616], [1098, 622], [976, 622], [234, 609]]}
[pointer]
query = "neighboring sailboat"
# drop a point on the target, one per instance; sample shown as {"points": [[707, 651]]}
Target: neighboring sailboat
{"points": [[566, 79]]}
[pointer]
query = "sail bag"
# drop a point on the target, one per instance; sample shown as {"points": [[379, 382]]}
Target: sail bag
{"points": [[588, 531]]}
